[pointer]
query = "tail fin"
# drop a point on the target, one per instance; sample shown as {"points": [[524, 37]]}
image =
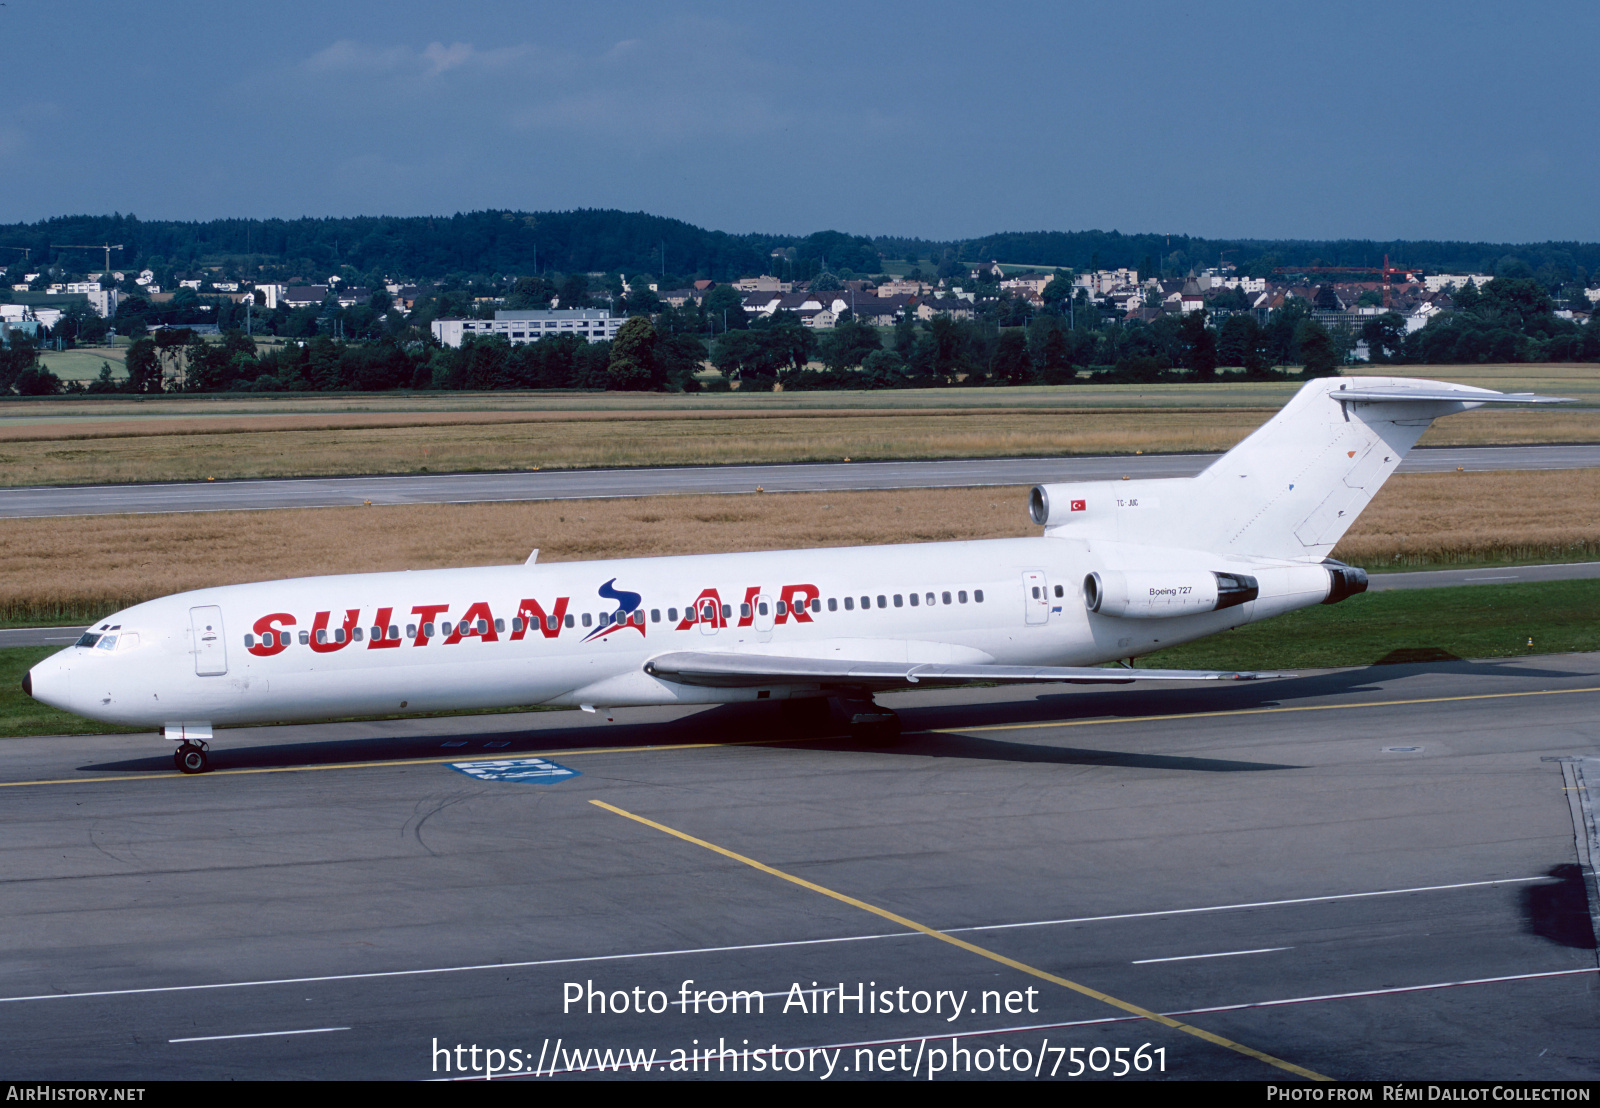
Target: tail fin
{"points": [[1294, 486]]}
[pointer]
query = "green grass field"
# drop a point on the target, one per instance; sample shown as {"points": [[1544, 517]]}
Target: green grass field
{"points": [[1478, 621], [84, 364]]}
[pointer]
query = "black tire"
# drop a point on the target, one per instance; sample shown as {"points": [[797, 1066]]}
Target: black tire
{"points": [[808, 716], [877, 733], [191, 759]]}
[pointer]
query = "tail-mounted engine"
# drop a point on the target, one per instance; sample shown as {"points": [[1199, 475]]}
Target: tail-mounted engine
{"points": [[1165, 595], [1343, 581]]}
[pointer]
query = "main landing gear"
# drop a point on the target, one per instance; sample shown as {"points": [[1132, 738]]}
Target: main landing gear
{"points": [[190, 757], [871, 724]]}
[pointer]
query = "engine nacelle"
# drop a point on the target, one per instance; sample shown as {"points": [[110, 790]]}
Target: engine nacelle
{"points": [[1160, 595], [1100, 507]]}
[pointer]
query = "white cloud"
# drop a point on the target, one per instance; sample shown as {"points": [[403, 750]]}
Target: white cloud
{"points": [[433, 60]]}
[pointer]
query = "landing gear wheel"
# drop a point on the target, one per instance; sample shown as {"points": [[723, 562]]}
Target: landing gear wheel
{"points": [[808, 717], [191, 758], [875, 726]]}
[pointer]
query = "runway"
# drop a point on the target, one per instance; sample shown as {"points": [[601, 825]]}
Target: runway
{"points": [[468, 488], [1365, 873]]}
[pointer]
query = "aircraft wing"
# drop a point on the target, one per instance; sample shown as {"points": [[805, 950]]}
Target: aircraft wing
{"points": [[732, 671]]}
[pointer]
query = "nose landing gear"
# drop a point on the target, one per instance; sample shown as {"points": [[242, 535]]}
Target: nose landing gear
{"points": [[190, 757]]}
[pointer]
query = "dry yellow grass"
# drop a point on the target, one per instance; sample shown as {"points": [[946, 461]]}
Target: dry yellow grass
{"points": [[355, 443], [77, 569]]}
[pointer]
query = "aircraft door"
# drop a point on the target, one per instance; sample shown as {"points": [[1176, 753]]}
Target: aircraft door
{"points": [[210, 645], [765, 614], [1035, 597], [707, 616]]}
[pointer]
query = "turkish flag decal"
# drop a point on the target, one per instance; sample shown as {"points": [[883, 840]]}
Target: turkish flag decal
{"points": [[1079, 506]]}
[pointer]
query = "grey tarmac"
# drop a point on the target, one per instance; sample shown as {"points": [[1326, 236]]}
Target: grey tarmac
{"points": [[1367, 873], [478, 488]]}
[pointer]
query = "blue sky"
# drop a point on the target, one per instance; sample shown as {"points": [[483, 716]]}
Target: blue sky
{"points": [[941, 120]]}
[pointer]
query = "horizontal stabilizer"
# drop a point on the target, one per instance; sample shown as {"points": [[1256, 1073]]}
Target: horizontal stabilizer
{"points": [[1436, 394], [734, 671]]}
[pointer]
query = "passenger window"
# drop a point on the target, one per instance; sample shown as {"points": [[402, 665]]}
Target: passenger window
{"points": [[305, 638], [783, 609], [849, 603], [322, 634], [727, 611], [883, 601], [411, 630], [551, 622], [816, 604], [1058, 591], [499, 625], [483, 627], [744, 611], [571, 621], [516, 625], [266, 639], [587, 619], [355, 633], [977, 594], [946, 597], [249, 641], [655, 615], [638, 618], [833, 604], [930, 600], [672, 614], [899, 602], [338, 634], [762, 608], [913, 600], [1036, 592], [866, 602], [444, 628], [394, 631], [962, 596]]}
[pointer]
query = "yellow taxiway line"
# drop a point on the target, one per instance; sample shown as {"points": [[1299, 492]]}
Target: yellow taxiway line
{"points": [[1096, 722], [985, 952]]}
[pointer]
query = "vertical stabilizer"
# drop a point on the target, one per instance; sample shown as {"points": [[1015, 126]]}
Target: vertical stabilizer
{"points": [[1294, 486]]}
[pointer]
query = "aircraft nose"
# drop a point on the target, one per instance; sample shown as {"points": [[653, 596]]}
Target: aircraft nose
{"points": [[49, 683]]}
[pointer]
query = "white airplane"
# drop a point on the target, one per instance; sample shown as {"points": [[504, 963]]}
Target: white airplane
{"points": [[1123, 568]]}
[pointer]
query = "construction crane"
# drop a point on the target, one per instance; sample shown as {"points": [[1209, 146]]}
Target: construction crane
{"points": [[24, 250], [1389, 272], [106, 246]]}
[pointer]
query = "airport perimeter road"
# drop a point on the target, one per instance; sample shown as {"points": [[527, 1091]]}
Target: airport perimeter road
{"points": [[469, 488], [1380, 582], [1356, 873]]}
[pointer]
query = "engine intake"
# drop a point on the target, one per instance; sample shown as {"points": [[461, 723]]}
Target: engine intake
{"points": [[1166, 595]]}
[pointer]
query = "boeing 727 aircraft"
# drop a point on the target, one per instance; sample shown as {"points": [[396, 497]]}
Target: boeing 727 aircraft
{"points": [[1123, 568]]}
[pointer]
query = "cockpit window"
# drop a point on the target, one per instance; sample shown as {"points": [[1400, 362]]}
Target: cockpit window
{"points": [[107, 642], [89, 639]]}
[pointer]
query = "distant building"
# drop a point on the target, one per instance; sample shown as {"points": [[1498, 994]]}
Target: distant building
{"points": [[1440, 281], [763, 284], [304, 296], [593, 324]]}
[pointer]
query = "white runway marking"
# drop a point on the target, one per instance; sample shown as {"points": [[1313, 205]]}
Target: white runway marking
{"points": [[1250, 904], [1224, 954], [535, 964], [257, 1035]]}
